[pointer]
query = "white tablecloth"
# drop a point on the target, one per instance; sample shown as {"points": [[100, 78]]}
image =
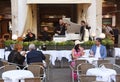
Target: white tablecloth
{"points": [[58, 54], [7, 54], [2, 53], [103, 74], [89, 59], [15, 75], [117, 52], [54, 54]]}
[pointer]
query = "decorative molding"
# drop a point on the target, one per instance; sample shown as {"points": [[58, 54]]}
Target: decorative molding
{"points": [[58, 1]]}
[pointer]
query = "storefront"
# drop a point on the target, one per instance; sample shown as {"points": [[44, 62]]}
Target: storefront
{"points": [[32, 14]]}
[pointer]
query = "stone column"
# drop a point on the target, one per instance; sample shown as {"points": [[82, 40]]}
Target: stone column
{"points": [[22, 14], [99, 16], [94, 17], [91, 17], [14, 11]]}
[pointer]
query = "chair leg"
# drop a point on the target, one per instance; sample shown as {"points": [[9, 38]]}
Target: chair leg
{"points": [[72, 76], [62, 63]]}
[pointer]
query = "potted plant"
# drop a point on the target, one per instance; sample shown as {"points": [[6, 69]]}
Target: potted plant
{"points": [[50, 45], [109, 46]]}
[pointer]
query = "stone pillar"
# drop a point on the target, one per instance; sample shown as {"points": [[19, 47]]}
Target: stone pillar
{"points": [[14, 11], [94, 17], [22, 14], [91, 17], [99, 16]]}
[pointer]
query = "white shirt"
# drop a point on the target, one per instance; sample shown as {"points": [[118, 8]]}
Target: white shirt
{"points": [[108, 29], [97, 54]]}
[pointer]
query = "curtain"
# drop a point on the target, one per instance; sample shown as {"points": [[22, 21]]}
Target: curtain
{"points": [[28, 20]]}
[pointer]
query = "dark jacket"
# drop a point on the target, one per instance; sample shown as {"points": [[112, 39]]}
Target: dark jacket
{"points": [[16, 57], [28, 38], [45, 36], [35, 56], [60, 28]]}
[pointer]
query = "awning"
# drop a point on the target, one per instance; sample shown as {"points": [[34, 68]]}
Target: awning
{"points": [[59, 1]]}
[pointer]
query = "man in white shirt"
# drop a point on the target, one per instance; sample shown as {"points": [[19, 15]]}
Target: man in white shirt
{"points": [[98, 50]]}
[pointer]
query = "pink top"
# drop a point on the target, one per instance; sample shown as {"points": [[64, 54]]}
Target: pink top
{"points": [[77, 54]]}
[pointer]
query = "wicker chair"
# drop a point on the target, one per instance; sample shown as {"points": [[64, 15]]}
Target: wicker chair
{"points": [[102, 61], [41, 65], [38, 71], [47, 60], [1, 80], [84, 67], [10, 67], [74, 68], [37, 63], [35, 69], [4, 62], [87, 78], [118, 78], [35, 79], [107, 65]]}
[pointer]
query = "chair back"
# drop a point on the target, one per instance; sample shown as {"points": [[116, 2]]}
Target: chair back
{"points": [[87, 78], [35, 79], [10, 67], [47, 60], [118, 78], [35, 69], [102, 61], [37, 63], [1, 80], [40, 64], [107, 65], [84, 67], [77, 62], [4, 62]]}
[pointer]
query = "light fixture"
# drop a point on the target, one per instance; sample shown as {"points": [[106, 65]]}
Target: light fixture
{"points": [[14, 37], [102, 35], [93, 34]]}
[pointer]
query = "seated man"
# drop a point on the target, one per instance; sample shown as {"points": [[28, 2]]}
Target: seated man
{"points": [[98, 50], [61, 28], [45, 34], [34, 55], [29, 36]]}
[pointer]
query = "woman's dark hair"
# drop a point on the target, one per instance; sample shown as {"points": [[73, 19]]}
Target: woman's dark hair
{"points": [[83, 21], [77, 47]]}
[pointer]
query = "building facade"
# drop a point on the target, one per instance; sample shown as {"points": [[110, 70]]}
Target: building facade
{"points": [[26, 14]]}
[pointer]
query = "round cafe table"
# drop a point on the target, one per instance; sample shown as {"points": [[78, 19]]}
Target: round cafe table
{"points": [[16, 75], [102, 74]]}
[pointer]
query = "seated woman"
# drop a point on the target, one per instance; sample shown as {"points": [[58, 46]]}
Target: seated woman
{"points": [[29, 36], [77, 52], [16, 56]]}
